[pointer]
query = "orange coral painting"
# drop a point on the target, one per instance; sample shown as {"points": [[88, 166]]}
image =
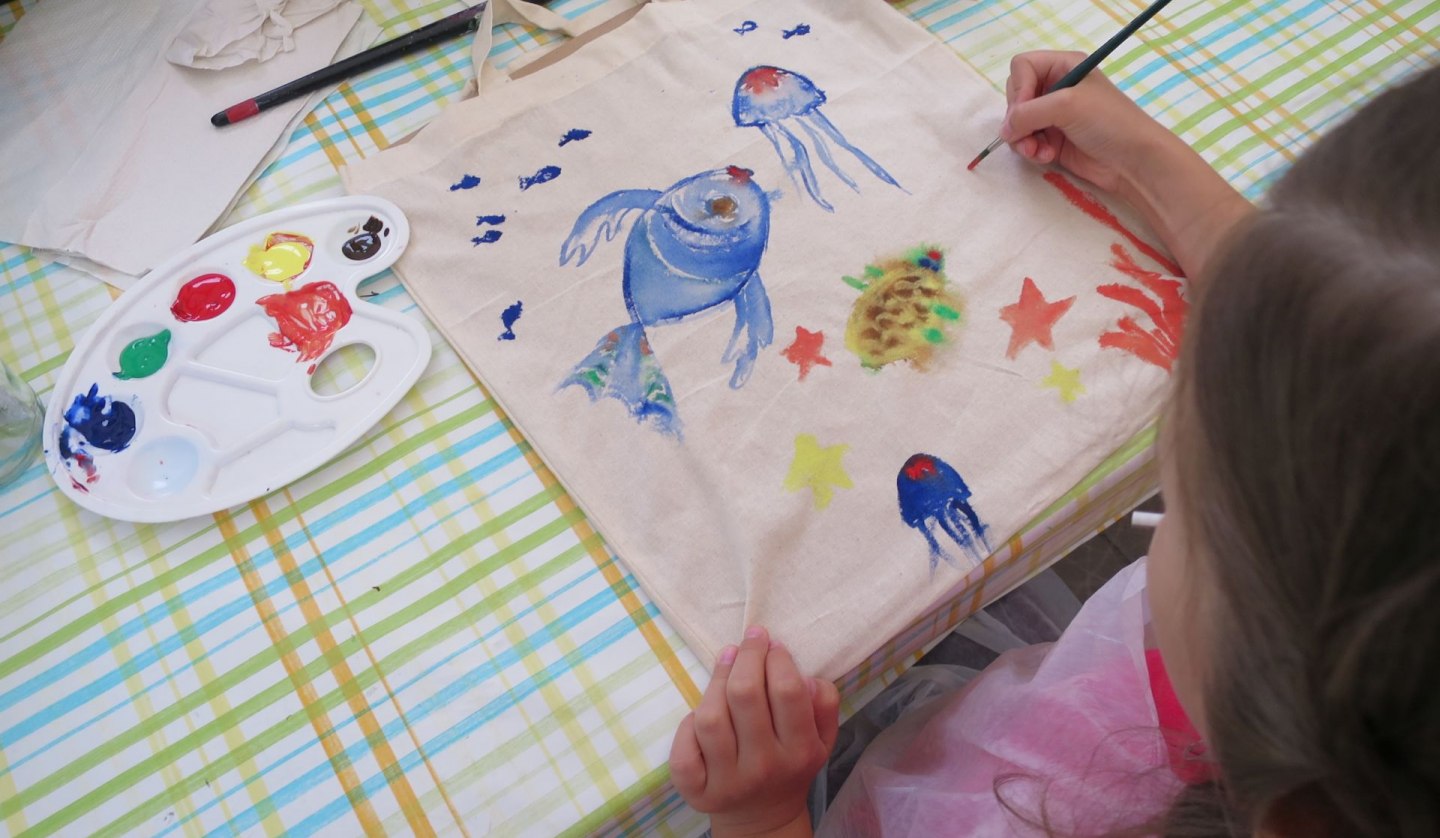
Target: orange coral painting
{"points": [[1159, 299]]}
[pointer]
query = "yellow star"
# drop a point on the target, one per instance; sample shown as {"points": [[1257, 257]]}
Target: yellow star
{"points": [[817, 468], [1064, 379]]}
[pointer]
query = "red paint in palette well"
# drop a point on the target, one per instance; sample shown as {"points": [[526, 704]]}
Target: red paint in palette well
{"points": [[307, 319], [203, 298]]}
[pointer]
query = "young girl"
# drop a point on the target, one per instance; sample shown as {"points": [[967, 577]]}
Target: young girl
{"points": [[1293, 588]]}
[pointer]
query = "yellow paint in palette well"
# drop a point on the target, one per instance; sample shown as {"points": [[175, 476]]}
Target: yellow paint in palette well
{"points": [[283, 257], [903, 311]]}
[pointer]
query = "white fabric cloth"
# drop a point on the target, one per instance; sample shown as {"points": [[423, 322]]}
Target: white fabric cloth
{"points": [[109, 152], [224, 33], [717, 528]]}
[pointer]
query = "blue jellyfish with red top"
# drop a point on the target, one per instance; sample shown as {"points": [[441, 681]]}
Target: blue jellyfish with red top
{"points": [[694, 247], [775, 100], [932, 494]]}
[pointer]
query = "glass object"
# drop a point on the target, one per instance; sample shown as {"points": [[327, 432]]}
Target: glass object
{"points": [[20, 418]]}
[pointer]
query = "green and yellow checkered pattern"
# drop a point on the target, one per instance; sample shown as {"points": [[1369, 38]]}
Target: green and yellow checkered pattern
{"points": [[425, 635]]}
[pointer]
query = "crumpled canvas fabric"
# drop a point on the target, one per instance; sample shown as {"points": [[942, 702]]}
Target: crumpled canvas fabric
{"points": [[224, 33], [1068, 732], [110, 157], [833, 489]]}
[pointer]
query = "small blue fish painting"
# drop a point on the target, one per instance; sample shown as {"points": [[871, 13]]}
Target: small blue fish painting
{"points": [[466, 182], [574, 135], [776, 100], [488, 237], [798, 31], [508, 318], [489, 219], [746, 28], [545, 175], [932, 494], [95, 420], [693, 247]]}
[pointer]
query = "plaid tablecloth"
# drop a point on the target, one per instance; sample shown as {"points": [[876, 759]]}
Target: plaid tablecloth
{"points": [[425, 635]]}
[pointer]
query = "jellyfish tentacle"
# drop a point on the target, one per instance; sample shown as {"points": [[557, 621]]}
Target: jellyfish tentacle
{"points": [[953, 527], [825, 125], [936, 551], [752, 316], [797, 163], [973, 521], [822, 148]]}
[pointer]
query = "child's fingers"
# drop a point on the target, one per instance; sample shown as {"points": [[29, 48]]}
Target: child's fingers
{"points": [[789, 698], [1054, 110], [826, 704], [714, 730], [749, 705], [687, 764]]}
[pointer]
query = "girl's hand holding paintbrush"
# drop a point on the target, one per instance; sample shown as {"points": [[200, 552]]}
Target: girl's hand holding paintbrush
{"points": [[1097, 133]]}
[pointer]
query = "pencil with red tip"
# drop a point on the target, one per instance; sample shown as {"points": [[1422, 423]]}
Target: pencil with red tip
{"points": [[1083, 69], [452, 26]]}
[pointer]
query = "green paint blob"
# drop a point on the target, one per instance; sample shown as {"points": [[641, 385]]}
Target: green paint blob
{"points": [[144, 356], [946, 312], [855, 283], [934, 335], [873, 272]]}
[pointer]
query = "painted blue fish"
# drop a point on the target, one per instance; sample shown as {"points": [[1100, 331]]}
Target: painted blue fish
{"points": [[746, 27], [932, 494], [574, 135], [545, 175], [508, 318], [802, 29], [693, 247]]}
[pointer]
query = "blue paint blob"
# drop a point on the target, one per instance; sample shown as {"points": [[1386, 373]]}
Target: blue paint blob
{"points": [[488, 237], [746, 27], [101, 420], [545, 175], [933, 496], [802, 29], [574, 135], [466, 182], [508, 318], [489, 219]]}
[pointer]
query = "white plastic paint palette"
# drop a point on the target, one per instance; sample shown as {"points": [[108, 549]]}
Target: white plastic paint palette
{"points": [[197, 390]]}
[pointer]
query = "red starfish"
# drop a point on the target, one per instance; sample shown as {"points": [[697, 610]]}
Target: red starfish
{"points": [[805, 351], [1032, 318]]}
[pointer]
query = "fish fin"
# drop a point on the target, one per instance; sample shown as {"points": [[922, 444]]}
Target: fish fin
{"points": [[605, 219]]}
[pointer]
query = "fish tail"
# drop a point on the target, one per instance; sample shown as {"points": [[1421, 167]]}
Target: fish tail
{"points": [[623, 367]]}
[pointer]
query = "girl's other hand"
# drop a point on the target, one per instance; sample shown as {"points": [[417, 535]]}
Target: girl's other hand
{"points": [[761, 733], [1091, 129]]}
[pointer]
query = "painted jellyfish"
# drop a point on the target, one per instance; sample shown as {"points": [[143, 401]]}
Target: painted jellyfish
{"points": [[693, 247], [932, 494], [776, 101]]}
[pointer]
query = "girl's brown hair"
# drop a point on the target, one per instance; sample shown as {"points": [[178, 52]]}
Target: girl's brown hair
{"points": [[1307, 431]]}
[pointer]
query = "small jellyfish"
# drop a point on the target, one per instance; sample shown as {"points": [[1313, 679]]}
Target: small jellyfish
{"points": [[775, 100], [932, 494]]}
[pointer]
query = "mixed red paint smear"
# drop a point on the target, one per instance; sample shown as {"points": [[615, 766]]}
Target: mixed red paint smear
{"points": [[307, 318], [762, 79], [203, 298], [1091, 206], [804, 352], [1159, 345], [1033, 318], [919, 467]]}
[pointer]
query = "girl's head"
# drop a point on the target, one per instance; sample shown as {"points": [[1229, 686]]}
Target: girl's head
{"points": [[1295, 582]]}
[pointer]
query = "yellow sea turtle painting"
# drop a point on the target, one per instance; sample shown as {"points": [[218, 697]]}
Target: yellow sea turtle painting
{"points": [[904, 309]]}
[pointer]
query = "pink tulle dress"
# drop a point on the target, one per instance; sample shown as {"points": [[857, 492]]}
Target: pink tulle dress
{"points": [[1084, 734]]}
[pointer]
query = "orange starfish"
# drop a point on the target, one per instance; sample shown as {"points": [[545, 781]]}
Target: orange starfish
{"points": [[805, 351], [1032, 318]]}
